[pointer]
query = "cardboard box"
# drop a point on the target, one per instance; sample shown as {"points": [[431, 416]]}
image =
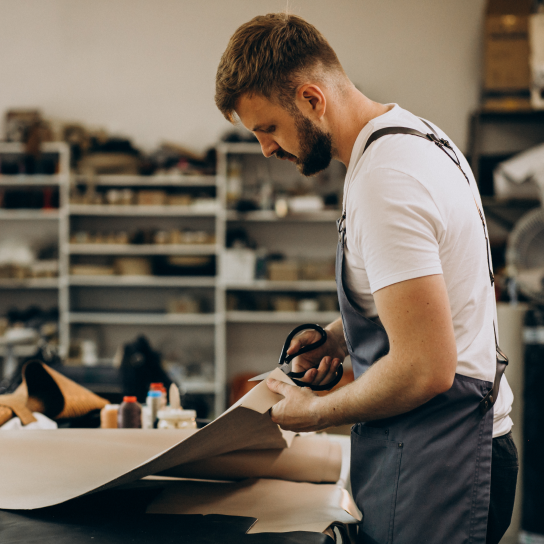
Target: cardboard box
{"points": [[283, 271], [507, 45], [151, 198], [536, 35], [284, 304]]}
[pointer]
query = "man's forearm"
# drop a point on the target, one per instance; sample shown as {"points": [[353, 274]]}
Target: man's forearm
{"points": [[420, 365], [386, 389]]}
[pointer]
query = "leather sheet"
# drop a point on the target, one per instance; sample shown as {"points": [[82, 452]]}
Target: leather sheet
{"points": [[279, 506], [43, 468], [308, 459]]}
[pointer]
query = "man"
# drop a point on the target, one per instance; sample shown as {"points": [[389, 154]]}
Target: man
{"points": [[413, 250]]}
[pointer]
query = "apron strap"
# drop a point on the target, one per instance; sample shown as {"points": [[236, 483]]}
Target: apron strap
{"points": [[502, 360]]}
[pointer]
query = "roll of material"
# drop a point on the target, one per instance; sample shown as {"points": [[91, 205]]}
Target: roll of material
{"points": [[312, 459]]}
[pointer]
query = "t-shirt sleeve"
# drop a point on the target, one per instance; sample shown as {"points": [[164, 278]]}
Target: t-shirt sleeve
{"points": [[395, 226]]}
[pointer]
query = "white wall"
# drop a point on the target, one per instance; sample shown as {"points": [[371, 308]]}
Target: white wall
{"points": [[146, 68]]}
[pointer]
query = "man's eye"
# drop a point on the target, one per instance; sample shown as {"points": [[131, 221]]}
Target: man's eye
{"points": [[271, 129]]}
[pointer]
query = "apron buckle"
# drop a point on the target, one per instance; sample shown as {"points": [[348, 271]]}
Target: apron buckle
{"points": [[340, 224]]}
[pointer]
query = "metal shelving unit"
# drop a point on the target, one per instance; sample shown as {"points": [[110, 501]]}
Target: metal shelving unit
{"points": [[251, 335], [122, 318], [150, 181], [281, 317], [70, 286], [144, 211], [209, 211], [29, 283], [296, 286], [29, 215], [24, 180], [41, 288], [142, 281], [143, 249], [271, 216]]}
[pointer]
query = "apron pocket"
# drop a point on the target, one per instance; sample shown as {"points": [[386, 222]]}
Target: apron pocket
{"points": [[375, 468]]}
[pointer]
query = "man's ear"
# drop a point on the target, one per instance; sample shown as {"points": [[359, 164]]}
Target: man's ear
{"points": [[311, 100]]}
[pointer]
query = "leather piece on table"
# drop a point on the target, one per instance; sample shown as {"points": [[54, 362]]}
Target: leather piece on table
{"points": [[47, 391], [117, 517], [308, 459], [42, 468], [279, 506], [15, 403], [58, 396]]}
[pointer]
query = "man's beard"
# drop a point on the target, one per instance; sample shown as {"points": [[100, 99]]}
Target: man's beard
{"points": [[315, 147]]}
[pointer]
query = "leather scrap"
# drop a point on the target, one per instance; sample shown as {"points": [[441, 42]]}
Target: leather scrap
{"points": [[15, 404], [48, 392]]}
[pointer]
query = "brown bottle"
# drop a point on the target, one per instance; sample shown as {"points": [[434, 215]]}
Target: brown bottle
{"points": [[130, 414]]}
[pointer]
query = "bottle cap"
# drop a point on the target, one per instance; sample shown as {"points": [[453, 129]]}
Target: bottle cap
{"points": [[154, 394], [156, 386], [129, 399]]}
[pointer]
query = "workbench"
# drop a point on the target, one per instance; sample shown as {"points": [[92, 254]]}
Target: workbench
{"points": [[118, 516]]}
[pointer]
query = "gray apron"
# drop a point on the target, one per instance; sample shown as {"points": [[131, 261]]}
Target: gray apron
{"points": [[423, 476]]}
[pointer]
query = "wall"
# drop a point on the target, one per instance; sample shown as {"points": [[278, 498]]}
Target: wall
{"points": [[146, 68]]}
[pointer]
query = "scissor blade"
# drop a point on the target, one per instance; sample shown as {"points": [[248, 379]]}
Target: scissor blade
{"points": [[260, 377]]}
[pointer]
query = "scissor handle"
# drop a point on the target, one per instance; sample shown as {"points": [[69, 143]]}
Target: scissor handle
{"points": [[286, 359], [322, 387]]}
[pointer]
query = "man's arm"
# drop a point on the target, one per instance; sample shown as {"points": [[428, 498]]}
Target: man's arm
{"points": [[421, 363]]}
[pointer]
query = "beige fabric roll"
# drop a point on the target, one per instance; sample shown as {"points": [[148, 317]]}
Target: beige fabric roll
{"points": [[308, 459]]}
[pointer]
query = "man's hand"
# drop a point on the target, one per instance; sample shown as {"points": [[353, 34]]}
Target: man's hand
{"points": [[328, 356], [299, 410]]}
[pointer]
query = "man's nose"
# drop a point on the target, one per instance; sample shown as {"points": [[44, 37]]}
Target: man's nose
{"points": [[268, 146]]}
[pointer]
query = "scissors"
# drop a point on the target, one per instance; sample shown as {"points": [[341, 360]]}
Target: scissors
{"points": [[287, 359]]}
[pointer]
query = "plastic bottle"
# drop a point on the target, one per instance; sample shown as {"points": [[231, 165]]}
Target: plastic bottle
{"points": [[155, 403], [108, 416], [159, 386], [174, 397], [130, 414]]}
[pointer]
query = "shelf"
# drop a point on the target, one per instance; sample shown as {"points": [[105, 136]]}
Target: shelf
{"points": [[142, 249], [115, 318], [46, 147], [529, 203], [29, 215], [29, 283], [141, 281], [281, 317], [265, 285], [240, 147], [258, 216], [149, 181], [21, 351], [511, 115], [84, 209], [22, 180], [198, 387]]}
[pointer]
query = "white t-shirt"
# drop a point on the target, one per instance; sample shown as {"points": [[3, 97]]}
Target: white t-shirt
{"points": [[411, 213]]}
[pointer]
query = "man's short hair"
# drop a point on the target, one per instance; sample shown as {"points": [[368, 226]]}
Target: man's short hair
{"points": [[266, 56]]}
